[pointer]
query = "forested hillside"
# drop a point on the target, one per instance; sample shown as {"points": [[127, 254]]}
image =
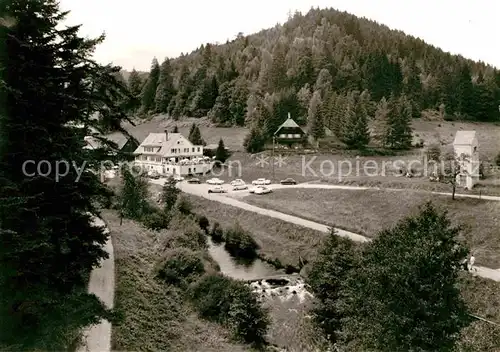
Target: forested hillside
{"points": [[327, 68]]}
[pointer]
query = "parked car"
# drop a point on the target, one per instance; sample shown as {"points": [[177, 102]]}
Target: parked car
{"points": [[215, 181], [194, 180], [217, 189], [261, 181], [178, 178], [154, 175], [240, 187], [253, 189], [238, 181], [288, 181], [262, 190]]}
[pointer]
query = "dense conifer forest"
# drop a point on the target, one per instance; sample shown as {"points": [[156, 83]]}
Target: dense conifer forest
{"points": [[327, 68]]}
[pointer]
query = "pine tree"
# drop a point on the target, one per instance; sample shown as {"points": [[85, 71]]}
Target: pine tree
{"points": [[329, 272], [418, 306], [169, 194], [305, 69], [49, 241], [323, 83], [165, 91], [380, 121], [238, 104], [221, 153], [195, 135], [254, 141], [338, 107], [399, 132], [277, 71], [220, 112], [355, 132], [149, 90], [315, 118], [135, 86], [134, 195]]}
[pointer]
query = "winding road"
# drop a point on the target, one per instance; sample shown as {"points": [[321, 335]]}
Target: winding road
{"points": [[201, 190], [97, 338]]}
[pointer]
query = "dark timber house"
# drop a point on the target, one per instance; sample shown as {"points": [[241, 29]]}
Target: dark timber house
{"points": [[289, 133]]}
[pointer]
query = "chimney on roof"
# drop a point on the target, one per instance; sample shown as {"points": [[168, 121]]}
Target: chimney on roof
{"points": [[166, 134]]}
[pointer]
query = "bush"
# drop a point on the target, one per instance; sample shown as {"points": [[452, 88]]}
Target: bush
{"points": [[204, 223], [217, 233], [434, 152], [180, 265], [240, 243], [193, 239], [184, 206], [156, 220], [233, 304]]}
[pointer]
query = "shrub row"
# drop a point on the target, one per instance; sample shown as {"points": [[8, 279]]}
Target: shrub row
{"points": [[217, 298], [232, 304]]}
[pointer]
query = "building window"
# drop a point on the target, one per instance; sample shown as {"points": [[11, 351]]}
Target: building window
{"points": [[192, 150], [290, 135], [297, 135], [198, 149], [189, 170], [282, 135], [186, 150]]}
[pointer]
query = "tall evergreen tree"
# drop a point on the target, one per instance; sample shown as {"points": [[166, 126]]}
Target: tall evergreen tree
{"points": [[195, 135], [399, 131], [254, 141], [329, 273], [165, 90], [49, 242], [355, 132], [221, 153], [135, 87], [277, 71], [380, 122], [134, 195], [315, 117], [404, 293], [148, 93]]}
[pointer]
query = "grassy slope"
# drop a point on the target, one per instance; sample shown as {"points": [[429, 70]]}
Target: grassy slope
{"points": [[233, 137], [276, 238], [157, 317], [369, 211], [286, 242]]}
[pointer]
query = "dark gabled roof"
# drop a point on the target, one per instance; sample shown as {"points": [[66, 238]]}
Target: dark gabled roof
{"points": [[289, 123]]}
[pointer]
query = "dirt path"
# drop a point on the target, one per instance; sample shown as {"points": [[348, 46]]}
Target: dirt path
{"points": [[97, 338], [201, 190]]}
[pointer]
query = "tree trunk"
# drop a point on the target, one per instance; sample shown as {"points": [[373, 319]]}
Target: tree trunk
{"points": [[454, 187]]}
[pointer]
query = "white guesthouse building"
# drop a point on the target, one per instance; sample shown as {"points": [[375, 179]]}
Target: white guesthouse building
{"points": [[171, 154], [466, 148]]}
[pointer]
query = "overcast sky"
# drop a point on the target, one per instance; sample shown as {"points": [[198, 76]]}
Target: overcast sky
{"points": [[136, 31]]}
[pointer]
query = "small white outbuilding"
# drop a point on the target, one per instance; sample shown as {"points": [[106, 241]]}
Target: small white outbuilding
{"points": [[466, 148]]}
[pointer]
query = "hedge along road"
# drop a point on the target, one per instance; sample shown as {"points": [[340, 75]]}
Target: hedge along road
{"points": [[201, 190]]}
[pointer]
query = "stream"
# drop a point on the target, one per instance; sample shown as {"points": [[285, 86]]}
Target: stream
{"points": [[230, 266]]}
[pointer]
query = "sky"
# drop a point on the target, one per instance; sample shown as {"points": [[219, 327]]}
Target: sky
{"points": [[137, 31]]}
